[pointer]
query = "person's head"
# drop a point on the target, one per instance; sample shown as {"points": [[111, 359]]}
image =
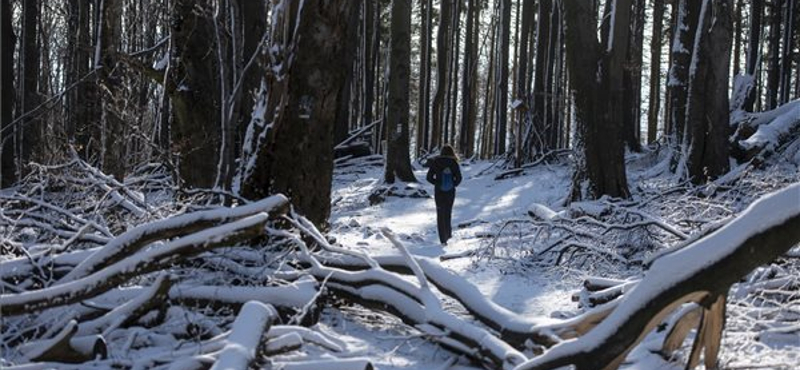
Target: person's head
{"points": [[448, 151]]}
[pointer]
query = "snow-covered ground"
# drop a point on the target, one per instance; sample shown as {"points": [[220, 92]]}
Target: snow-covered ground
{"points": [[482, 211]]}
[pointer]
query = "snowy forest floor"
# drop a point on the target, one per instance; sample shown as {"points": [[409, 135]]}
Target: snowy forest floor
{"points": [[510, 260]]}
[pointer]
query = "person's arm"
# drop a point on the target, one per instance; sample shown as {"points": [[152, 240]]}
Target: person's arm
{"points": [[431, 177], [457, 174]]}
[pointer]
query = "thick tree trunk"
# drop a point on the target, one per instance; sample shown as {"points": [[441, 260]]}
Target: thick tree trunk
{"points": [[194, 92], [707, 114], [502, 78], [442, 59], [654, 104], [754, 50], [8, 172], [114, 140], [678, 83], [632, 80], [398, 162], [29, 128], [773, 57], [468, 84], [601, 167], [295, 157]]}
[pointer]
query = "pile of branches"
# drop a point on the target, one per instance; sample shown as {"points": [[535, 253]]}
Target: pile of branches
{"points": [[236, 287]]}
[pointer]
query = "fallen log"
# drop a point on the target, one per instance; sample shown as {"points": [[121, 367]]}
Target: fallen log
{"points": [[246, 336], [157, 258], [133, 240], [698, 273]]}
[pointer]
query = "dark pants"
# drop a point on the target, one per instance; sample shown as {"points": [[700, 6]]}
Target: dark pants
{"points": [[444, 212]]}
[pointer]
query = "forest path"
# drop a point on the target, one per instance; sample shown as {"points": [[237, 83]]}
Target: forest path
{"points": [[482, 205]]}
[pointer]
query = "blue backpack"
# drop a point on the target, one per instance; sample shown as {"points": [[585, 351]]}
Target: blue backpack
{"points": [[447, 180]]}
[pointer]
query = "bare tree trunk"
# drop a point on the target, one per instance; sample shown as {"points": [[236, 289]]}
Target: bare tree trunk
{"points": [[753, 51], [501, 107], [786, 57], [295, 157], [442, 59], [601, 166], [398, 162], [194, 92], [654, 104], [8, 172], [707, 114], [632, 80], [424, 77], [29, 54], [469, 82], [682, 44], [773, 59], [113, 146]]}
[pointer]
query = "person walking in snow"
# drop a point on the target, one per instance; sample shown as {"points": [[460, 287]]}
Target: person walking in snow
{"points": [[445, 175]]}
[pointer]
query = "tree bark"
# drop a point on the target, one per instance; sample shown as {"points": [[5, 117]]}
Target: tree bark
{"points": [[678, 83], [596, 74], [753, 51], [194, 92], [423, 108], [113, 144], [786, 56], [707, 114], [295, 157], [773, 57], [654, 105], [442, 59], [398, 162], [632, 80], [501, 82], [8, 172], [29, 53]]}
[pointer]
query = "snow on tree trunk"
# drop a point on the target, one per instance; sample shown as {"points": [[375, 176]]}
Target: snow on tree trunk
{"points": [[294, 156]]}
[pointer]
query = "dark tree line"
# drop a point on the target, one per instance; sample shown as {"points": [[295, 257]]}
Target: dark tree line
{"points": [[230, 94]]}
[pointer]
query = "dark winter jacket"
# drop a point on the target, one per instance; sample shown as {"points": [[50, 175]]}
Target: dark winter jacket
{"points": [[437, 165]]}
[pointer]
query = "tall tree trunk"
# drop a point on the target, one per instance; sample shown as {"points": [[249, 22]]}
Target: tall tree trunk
{"points": [[295, 155], [469, 83], [654, 105], [773, 59], [29, 53], [114, 141], [708, 108], [682, 45], [737, 41], [8, 171], [786, 57], [398, 162], [753, 51], [535, 142], [371, 45], [501, 107], [442, 61], [632, 80], [522, 92], [424, 77], [601, 166], [194, 91]]}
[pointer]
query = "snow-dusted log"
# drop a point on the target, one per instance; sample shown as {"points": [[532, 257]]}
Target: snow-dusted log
{"points": [[246, 336], [700, 272], [413, 303], [157, 258], [65, 346], [757, 133], [140, 236], [338, 364], [149, 299], [294, 295]]}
